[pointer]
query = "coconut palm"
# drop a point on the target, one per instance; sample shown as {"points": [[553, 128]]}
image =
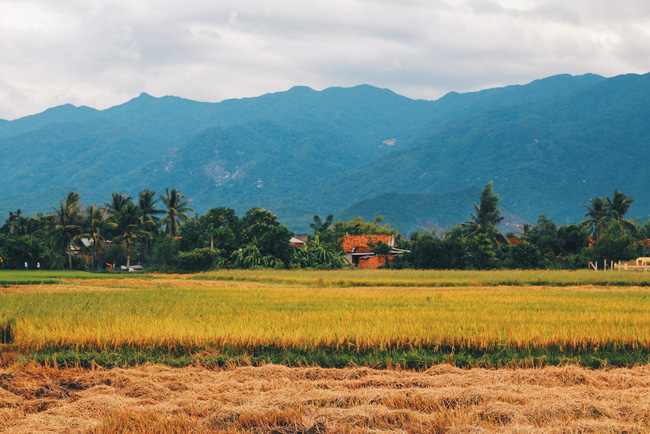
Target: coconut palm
{"points": [[176, 211], [150, 213], [95, 227], [67, 216], [147, 205], [118, 200], [128, 225], [617, 207], [487, 216], [596, 215]]}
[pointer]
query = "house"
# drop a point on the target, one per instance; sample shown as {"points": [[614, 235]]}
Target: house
{"points": [[299, 240], [358, 250], [296, 242], [641, 263]]}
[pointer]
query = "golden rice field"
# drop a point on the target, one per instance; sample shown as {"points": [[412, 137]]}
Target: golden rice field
{"points": [[246, 313], [226, 335], [435, 278]]}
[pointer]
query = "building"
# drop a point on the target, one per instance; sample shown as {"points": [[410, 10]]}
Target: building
{"points": [[359, 250]]}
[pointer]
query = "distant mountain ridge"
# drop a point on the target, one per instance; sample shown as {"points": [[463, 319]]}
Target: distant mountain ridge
{"points": [[548, 146]]}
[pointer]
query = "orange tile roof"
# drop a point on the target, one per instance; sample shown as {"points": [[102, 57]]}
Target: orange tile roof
{"points": [[361, 241]]}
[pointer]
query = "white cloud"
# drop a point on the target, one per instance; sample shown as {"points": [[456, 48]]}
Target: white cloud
{"points": [[102, 53]]}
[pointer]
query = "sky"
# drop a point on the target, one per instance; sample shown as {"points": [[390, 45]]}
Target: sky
{"points": [[102, 53]]}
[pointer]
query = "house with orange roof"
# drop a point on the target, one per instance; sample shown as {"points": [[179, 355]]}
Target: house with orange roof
{"points": [[359, 250]]}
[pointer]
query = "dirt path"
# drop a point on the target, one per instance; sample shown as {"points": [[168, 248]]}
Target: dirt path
{"points": [[279, 399]]}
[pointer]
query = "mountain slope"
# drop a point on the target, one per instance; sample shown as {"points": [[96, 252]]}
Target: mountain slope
{"points": [[549, 146], [549, 157]]}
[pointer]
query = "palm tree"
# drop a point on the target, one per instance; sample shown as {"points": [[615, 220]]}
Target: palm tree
{"points": [[94, 227], [128, 225], [147, 205], [596, 215], [67, 217], [176, 211], [487, 216], [118, 201], [150, 213], [319, 226], [618, 206]]}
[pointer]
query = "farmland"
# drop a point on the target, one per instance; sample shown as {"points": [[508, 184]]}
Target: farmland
{"points": [[421, 325], [332, 319]]}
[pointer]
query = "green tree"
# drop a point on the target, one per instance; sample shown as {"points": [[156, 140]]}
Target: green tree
{"points": [[256, 222], [224, 228], [149, 213], [319, 226], [177, 210], [544, 235], [486, 218], [127, 220], [95, 226], [67, 227], [596, 215], [617, 207]]}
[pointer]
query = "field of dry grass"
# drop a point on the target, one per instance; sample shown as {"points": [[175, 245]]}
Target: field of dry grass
{"points": [[273, 398]]}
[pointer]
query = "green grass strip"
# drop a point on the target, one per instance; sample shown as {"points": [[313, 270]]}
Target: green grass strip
{"points": [[416, 359], [432, 278]]}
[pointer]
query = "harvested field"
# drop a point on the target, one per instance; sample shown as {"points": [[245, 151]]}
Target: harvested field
{"points": [[154, 398]]}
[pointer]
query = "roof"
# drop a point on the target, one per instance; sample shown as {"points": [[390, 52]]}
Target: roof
{"points": [[352, 243], [295, 240]]}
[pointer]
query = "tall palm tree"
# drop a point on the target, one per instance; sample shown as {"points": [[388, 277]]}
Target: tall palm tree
{"points": [[128, 226], [94, 227], [118, 201], [618, 206], [596, 215], [147, 205], [67, 217], [487, 216], [149, 217], [176, 211]]}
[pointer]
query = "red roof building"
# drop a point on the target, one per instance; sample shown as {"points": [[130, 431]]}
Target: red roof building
{"points": [[358, 250]]}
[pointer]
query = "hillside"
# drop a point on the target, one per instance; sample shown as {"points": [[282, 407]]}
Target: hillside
{"points": [[549, 157], [549, 146]]}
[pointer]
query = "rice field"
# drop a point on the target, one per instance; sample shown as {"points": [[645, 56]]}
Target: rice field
{"points": [[434, 278], [379, 318], [255, 351], [13, 277]]}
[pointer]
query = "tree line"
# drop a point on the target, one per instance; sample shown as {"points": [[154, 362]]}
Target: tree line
{"points": [[157, 231]]}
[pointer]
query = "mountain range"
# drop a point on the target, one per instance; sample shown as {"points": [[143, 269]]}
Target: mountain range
{"points": [[548, 146]]}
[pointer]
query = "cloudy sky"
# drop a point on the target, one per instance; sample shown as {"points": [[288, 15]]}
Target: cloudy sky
{"points": [[101, 53]]}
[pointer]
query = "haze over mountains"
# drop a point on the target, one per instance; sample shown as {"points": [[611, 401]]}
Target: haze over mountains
{"points": [[549, 147]]}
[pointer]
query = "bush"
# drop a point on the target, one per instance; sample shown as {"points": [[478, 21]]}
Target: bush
{"points": [[199, 260], [522, 255]]}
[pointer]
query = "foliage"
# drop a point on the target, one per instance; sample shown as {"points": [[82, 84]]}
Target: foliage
{"points": [[199, 260], [487, 216], [129, 227], [177, 210], [122, 231], [67, 227], [522, 255], [317, 255]]}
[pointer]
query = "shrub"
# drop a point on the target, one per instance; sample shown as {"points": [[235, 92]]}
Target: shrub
{"points": [[199, 260]]}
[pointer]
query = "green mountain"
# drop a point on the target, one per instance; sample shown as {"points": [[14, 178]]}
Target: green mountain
{"points": [[549, 146], [547, 157], [409, 211]]}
